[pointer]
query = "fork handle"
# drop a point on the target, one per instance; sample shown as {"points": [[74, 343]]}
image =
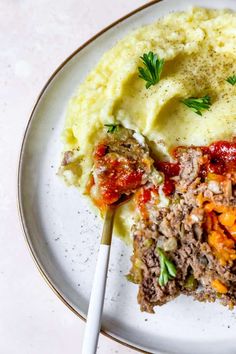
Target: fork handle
{"points": [[98, 289], [96, 302]]}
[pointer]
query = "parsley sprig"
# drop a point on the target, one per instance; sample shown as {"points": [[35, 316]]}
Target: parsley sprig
{"points": [[151, 72], [197, 105], [231, 80], [111, 128], [168, 270]]}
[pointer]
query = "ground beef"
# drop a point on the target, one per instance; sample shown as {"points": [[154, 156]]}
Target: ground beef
{"points": [[189, 167]]}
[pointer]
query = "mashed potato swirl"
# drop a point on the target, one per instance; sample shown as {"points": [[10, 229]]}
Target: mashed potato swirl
{"points": [[199, 49]]}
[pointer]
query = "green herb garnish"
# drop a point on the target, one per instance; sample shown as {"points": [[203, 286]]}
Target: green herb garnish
{"points": [[231, 80], [168, 270], [111, 127], [197, 105], [151, 72]]}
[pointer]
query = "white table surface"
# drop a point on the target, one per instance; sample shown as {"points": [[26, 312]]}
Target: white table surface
{"points": [[35, 37]]}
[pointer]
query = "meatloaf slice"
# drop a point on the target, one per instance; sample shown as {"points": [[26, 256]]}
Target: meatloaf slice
{"points": [[195, 235]]}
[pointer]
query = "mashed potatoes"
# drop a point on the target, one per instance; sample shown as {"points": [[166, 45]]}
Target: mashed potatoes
{"points": [[199, 49]]}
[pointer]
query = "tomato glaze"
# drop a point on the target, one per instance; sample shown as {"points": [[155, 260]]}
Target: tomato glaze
{"points": [[143, 196], [100, 151], [118, 176], [169, 170], [222, 157]]}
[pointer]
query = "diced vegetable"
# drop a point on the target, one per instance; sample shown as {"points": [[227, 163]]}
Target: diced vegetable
{"points": [[219, 286], [191, 283]]}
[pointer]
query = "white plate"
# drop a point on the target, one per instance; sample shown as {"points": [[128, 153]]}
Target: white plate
{"points": [[63, 234]]}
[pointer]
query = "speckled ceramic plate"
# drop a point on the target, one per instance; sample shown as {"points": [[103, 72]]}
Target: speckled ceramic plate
{"points": [[63, 234]]}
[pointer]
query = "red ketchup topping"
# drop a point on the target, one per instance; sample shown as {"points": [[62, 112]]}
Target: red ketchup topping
{"points": [[117, 176], [100, 151], [170, 170], [143, 196], [222, 157], [119, 181], [169, 187]]}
